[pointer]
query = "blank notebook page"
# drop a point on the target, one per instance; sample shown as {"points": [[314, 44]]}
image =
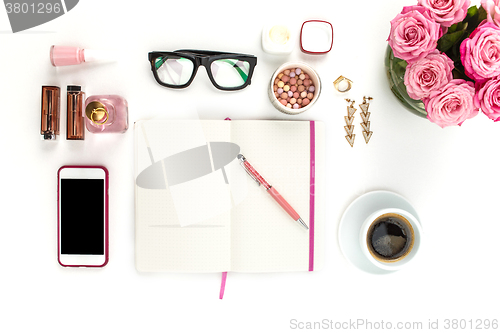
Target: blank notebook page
{"points": [[162, 244], [264, 238]]}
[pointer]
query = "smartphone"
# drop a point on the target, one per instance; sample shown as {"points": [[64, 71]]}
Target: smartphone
{"points": [[82, 216]]}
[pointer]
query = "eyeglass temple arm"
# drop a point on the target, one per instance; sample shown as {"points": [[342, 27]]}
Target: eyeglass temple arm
{"points": [[159, 62], [238, 69]]}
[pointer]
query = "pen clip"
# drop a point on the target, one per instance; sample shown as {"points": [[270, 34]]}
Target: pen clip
{"points": [[249, 173]]}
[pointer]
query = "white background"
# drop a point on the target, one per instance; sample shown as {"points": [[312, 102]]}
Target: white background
{"points": [[450, 175]]}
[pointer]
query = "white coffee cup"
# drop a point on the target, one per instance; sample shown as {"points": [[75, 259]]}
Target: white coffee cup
{"points": [[411, 229]]}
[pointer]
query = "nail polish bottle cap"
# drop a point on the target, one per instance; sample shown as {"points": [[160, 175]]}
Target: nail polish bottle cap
{"points": [[99, 55]]}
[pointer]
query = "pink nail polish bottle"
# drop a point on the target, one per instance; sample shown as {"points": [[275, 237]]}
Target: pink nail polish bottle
{"points": [[106, 114], [70, 55]]}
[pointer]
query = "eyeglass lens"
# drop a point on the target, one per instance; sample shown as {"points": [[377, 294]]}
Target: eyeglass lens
{"points": [[177, 71], [173, 70], [230, 73]]}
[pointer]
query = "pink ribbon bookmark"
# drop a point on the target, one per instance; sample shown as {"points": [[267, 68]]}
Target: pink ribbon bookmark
{"points": [[222, 285], [311, 195]]}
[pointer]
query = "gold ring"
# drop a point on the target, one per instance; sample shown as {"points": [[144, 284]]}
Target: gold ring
{"points": [[341, 79]]}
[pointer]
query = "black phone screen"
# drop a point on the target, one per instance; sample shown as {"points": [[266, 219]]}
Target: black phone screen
{"points": [[82, 216]]}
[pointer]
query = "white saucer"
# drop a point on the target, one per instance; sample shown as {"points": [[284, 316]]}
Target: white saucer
{"points": [[353, 218]]}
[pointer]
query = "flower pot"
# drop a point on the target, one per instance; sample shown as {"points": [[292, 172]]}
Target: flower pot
{"points": [[395, 69]]}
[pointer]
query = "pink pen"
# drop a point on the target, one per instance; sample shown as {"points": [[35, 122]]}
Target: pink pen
{"points": [[271, 190]]}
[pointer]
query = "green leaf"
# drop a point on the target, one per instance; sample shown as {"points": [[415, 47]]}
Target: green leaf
{"points": [[400, 63], [457, 27], [447, 41], [483, 15], [474, 17], [458, 73], [462, 26], [472, 11]]}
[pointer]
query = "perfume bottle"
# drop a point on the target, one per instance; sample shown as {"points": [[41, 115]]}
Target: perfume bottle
{"points": [[106, 114]]}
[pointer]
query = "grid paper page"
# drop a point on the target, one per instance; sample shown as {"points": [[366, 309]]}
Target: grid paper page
{"points": [[162, 244]]}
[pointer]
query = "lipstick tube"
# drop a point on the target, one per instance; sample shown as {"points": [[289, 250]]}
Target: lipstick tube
{"points": [[50, 112], [75, 124]]}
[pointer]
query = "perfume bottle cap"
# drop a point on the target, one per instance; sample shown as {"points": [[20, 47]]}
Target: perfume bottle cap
{"points": [[97, 113]]}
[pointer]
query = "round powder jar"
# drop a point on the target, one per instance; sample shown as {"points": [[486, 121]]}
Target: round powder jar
{"points": [[294, 88]]}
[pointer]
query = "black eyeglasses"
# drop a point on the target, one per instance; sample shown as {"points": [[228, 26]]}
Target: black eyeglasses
{"points": [[227, 71]]}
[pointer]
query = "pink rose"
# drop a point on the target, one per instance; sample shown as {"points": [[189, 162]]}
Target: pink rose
{"points": [[492, 7], [413, 33], [428, 74], [480, 53], [446, 12], [488, 99], [452, 105]]}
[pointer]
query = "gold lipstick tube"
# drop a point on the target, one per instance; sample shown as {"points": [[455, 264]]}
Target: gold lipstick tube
{"points": [[75, 122], [50, 112]]}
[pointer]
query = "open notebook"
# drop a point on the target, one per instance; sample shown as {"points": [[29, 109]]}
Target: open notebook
{"points": [[197, 210]]}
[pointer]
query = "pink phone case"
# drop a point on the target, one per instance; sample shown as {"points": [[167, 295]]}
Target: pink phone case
{"points": [[106, 207]]}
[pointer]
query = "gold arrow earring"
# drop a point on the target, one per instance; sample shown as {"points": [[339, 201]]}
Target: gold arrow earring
{"points": [[349, 119], [365, 115]]}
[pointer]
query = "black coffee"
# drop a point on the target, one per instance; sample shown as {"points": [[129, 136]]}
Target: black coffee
{"points": [[390, 237]]}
